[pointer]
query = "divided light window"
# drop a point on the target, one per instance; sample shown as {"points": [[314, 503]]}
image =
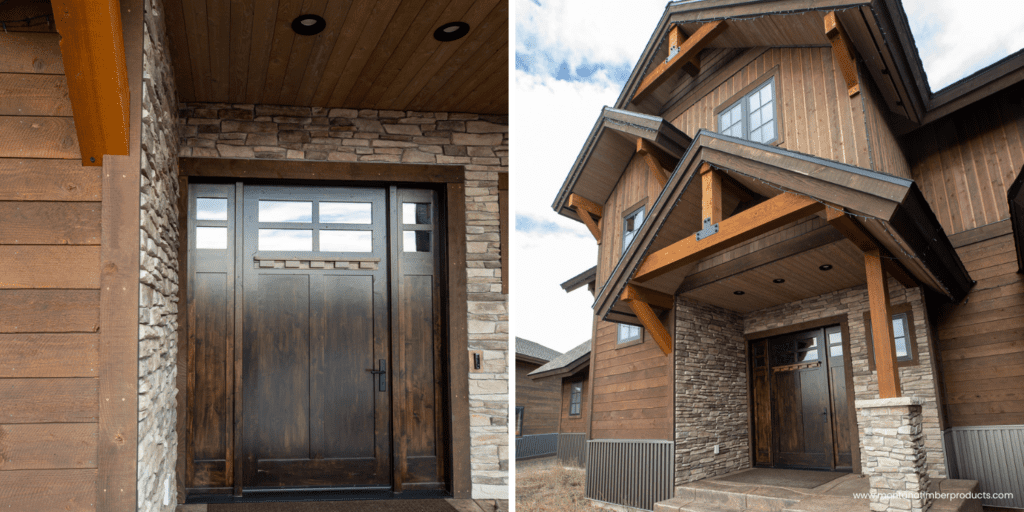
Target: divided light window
{"points": [[629, 333], [752, 117], [576, 399], [899, 334]]}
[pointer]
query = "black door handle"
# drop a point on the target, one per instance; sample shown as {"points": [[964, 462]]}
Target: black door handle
{"points": [[382, 375]]}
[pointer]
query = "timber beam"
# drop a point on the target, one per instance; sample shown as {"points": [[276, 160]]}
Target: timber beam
{"points": [[92, 48], [842, 50], [711, 196], [633, 296], [759, 219], [882, 338], [652, 297], [683, 58], [589, 212], [650, 154], [856, 233]]}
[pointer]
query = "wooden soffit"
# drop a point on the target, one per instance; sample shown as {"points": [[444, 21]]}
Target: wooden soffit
{"points": [[890, 209], [607, 151]]}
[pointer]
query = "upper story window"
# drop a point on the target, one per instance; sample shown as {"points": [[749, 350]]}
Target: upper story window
{"points": [[576, 399], [628, 333], [631, 225], [753, 116]]}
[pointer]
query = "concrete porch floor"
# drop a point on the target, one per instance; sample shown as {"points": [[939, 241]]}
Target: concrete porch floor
{"points": [[717, 495], [458, 505]]}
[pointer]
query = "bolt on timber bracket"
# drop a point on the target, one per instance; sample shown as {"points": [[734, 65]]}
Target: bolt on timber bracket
{"points": [[709, 229]]}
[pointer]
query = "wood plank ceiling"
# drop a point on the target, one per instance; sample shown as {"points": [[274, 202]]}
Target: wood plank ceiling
{"points": [[373, 54]]}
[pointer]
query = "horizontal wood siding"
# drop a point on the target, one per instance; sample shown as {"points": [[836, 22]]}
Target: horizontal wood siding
{"points": [[632, 388], [965, 162], [570, 424], [540, 399], [49, 287], [981, 341], [817, 117]]}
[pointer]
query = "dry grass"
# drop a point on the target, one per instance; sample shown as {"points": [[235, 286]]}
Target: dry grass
{"points": [[544, 486]]}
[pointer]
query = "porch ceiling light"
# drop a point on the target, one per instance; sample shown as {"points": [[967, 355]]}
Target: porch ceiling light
{"points": [[738, 292], [825, 268], [451, 31], [778, 281], [308, 25]]}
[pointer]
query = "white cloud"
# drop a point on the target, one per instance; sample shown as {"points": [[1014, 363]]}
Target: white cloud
{"points": [[956, 38]]}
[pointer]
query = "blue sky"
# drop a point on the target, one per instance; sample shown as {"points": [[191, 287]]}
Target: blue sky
{"points": [[573, 56]]}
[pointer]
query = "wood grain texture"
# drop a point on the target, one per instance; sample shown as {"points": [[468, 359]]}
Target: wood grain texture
{"points": [[458, 339], [43, 311], [48, 355], [47, 180], [41, 267], [38, 137], [49, 223], [881, 327], [37, 53], [686, 53], [540, 399], [65, 490], [34, 95], [570, 423], [48, 400], [47, 446]]}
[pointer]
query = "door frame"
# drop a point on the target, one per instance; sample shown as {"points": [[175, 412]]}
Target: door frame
{"points": [[844, 326], [449, 182]]}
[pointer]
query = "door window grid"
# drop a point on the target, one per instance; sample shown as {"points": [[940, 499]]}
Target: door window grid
{"points": [[417, 226], [328, 223], [752, 117], [576, 399]]}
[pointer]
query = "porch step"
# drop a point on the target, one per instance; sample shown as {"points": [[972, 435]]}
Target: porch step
{"points": [[713, 496], [681, 505]]}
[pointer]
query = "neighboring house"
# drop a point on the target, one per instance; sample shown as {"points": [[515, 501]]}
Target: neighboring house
{"points": [[791, 226], [572, 368], [246, 249], [537, 401]]}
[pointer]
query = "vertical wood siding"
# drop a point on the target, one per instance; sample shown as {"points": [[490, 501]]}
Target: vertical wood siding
{"points": [[539, 399], [886, 154], [49, 287]]}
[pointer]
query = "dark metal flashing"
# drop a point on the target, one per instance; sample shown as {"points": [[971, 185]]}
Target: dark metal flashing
{"points": [[586, 277], [1015, 196]]}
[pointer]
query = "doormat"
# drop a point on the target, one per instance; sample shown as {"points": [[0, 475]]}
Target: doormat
{"points": [[338, 506], [797, 478]]}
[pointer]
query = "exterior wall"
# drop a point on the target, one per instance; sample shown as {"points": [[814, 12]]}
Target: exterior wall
{"points": [[710, 392], [478, 142], [636, 184], [886, 154], [817, 116], [979, 340], [158, 272], [916, 380], [965, 162], [539, 399], [50, 231], [568, 424]]}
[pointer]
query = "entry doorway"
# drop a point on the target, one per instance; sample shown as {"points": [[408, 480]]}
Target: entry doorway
{"points": [[315, 338], [801, 401]]}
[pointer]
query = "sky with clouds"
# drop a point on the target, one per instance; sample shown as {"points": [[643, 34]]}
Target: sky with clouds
{"points": [[572, 57]]}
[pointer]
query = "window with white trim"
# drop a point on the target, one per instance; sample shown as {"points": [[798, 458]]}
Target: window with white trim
{"points": [[753, 116], [629, 333]]}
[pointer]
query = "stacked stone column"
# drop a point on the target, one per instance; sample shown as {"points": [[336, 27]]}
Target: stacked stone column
{"points": [[893, 453]]}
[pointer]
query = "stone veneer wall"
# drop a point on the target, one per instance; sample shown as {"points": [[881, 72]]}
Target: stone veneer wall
{"points": [[711, 392], [477, 142], [917, 380], [158, 276]]}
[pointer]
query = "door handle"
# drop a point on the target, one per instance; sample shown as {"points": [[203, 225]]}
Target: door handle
{"points": [[382, 375]]}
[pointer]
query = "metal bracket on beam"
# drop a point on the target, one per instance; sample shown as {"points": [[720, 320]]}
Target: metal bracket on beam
{"points": [[709, 229], [672, 51]]}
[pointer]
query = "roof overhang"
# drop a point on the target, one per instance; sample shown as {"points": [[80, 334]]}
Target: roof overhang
{"points": [[892, 210], [609, 148], [584, 278], [563, 371]]}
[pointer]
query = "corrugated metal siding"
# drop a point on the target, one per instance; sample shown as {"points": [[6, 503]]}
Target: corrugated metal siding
{"points": [[632, 473], [994, 456], [536, 445], [572, 450]]}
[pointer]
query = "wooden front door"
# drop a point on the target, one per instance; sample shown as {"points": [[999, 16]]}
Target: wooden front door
{"points": [[800, 408], [315, 338]]}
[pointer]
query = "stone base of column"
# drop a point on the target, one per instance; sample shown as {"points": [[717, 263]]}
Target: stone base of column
{"points": [[893, 454]]}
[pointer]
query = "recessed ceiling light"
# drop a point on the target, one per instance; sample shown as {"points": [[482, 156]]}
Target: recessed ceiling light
{"points": [[824, 268], [309, 25], [451, 31], [738, 292], [778, 281]]}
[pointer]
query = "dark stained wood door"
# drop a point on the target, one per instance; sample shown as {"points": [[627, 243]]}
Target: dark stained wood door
{"points": [[315, 410], [800, 401], [842, 415]]}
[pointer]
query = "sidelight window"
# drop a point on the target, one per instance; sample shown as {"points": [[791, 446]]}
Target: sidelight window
{"points": [[753, 116], [576, 399]]}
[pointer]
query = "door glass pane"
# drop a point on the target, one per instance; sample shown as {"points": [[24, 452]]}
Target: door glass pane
{"points": [[416, 241], [286, 211], [211, 208], [415, 213], [346, 241], [346, 213], [286, 240], [211, 238], [835, 342]]}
